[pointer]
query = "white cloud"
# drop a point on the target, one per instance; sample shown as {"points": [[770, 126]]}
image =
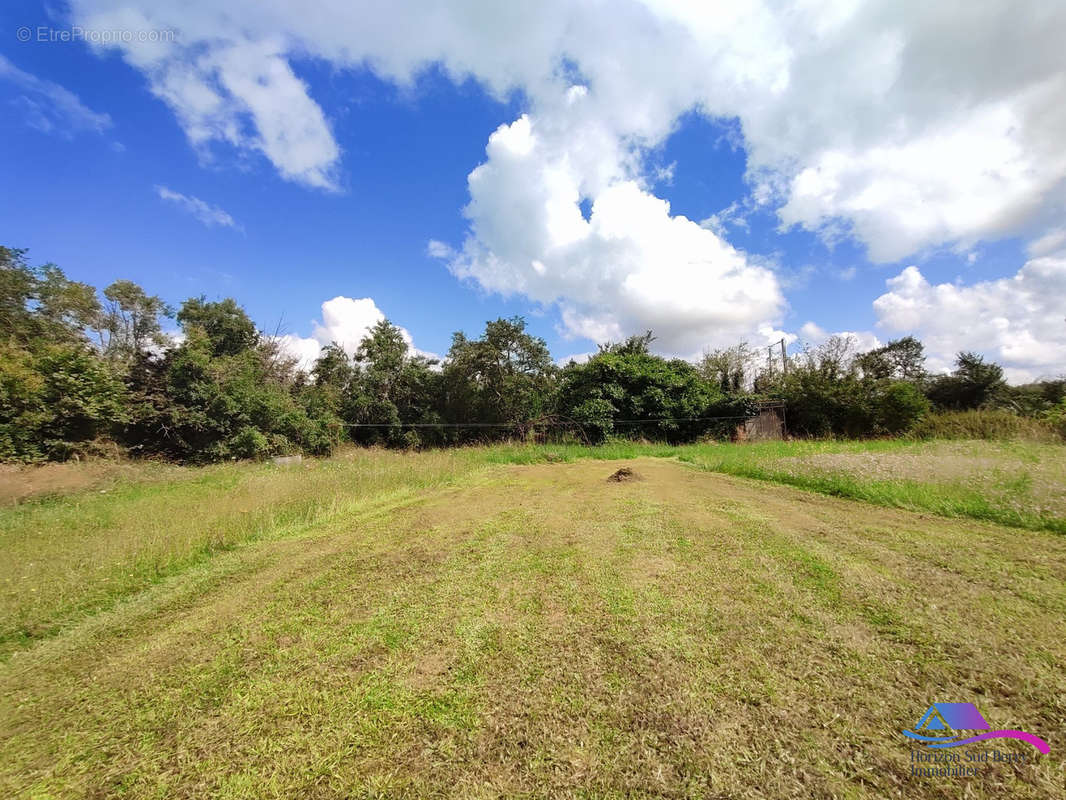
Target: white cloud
{"points": [[304, 350], [438, 249], [346, 321], [50, 108], [886, 120], [735, 215], [1017, 321], [206, 213], [861, 341], [965, 179], [577, 358], [629, 267], [886, 114], [1051, 242]]}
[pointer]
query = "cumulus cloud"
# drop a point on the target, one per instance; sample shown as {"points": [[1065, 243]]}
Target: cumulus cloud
{"points": [[1017, 321], [346, 321], [628, 267], [886, 118], [206, 213], [861, 341], [883, 120], [50, 108], [303, 349]]}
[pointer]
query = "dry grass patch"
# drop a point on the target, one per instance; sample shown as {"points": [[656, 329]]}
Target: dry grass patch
{"points": [[1026, 477]]}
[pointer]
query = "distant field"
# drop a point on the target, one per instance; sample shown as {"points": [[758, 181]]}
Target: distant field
{"points": [[502, 622]]}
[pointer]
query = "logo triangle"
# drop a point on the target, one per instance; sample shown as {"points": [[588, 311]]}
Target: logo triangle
{"points": [[932, 721]]}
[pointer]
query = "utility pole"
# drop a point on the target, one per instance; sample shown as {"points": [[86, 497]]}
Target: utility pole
{"points": [[770, 357]]}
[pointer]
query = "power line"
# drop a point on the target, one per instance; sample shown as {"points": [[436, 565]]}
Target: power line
{"points": [[534, 423]]}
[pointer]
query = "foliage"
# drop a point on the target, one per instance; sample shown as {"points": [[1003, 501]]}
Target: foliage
{"points": [[197, 405], [500, 382], [625, 389], [228, 329], [901, 360], [385, 387], [729, 368], [973, 384], [130, 323], [78, 371], [1056, 418], [988, 424], [1034, 399], [56, 394], [830, 391], [896, 406]]}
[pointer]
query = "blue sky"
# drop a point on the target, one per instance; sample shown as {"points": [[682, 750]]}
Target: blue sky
{"points": [[355, 153]]}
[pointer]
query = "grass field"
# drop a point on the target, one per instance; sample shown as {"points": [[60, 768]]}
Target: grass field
{"points": [[505, 622]]}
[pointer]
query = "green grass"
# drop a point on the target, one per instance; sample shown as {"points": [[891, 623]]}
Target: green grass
{"points": [[460, 624], [65, 557], [72, 555], [1002, 491]]}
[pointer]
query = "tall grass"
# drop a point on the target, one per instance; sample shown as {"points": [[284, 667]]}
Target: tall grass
{"points": [[985, 424]]}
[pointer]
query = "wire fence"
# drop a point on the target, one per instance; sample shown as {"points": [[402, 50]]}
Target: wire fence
{"points": [[765, 421], [541, 423]]}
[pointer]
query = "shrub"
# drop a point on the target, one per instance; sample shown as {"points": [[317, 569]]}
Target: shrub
{"points": [[1056, 418], [248, 443], [984, 424], [898, 406]]}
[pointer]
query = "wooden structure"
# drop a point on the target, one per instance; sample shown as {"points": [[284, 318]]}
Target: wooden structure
{"points": [[768, 423]]}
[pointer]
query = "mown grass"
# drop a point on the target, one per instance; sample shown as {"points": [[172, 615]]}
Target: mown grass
{"points": [[68, 556], [536, 631], [982, 480]]}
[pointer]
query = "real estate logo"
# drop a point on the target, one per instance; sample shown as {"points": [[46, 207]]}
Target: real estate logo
{"points": [[962, 724], [961, 717]]}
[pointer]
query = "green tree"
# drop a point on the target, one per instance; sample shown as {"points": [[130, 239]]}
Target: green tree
{"points": [[973, 384], [727, 368], [203, 401], [388, 395], [228, 329], [897, 406], [901, 359], [505, 378], [626, 390], [40, 304], [56, 395], [130, 322]]}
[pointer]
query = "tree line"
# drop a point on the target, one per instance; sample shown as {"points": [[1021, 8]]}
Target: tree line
{"points": [[85, 372]]}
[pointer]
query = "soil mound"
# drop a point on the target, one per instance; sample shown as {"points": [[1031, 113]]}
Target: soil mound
{"points": [[624, 475]]}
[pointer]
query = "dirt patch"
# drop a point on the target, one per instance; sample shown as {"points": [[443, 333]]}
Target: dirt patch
{"points": [[19, 483], [624, 475], [430, 671]]}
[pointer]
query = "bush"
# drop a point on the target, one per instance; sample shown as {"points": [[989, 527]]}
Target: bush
{"points": [[248, 443], [985, 424], [898, 406], [624, 390], [54, 401], [1056, 418]]}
